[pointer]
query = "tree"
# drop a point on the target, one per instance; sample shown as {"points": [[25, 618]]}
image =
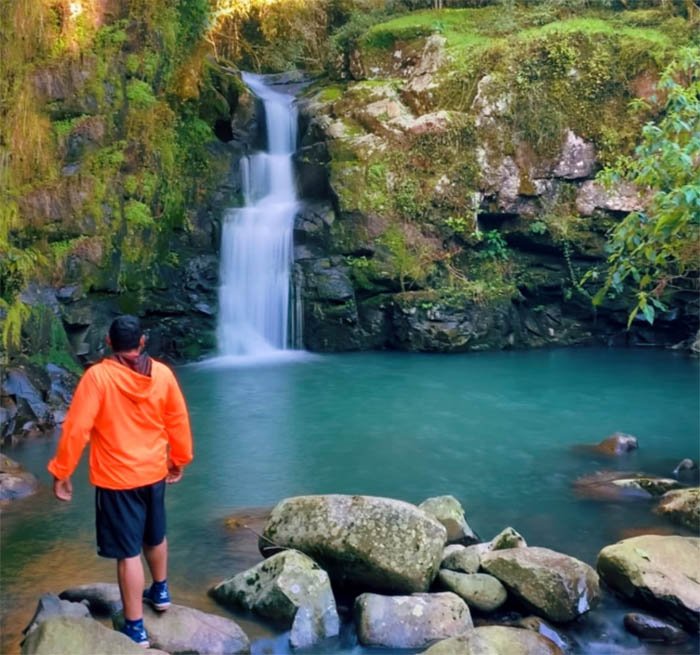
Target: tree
{"points": [[657, 249]]}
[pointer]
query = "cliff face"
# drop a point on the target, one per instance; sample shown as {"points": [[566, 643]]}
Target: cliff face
{"points": [[114, 173], [459, 209]]}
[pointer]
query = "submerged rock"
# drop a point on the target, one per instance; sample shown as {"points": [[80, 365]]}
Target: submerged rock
{"points": [[496, 640], [649, 628], [682, 506], [622, 485], [659, 572], [617, 443], [409, 621], [480, 591], [363, 541], [449, 511], [15, 482], [289, 588], [554, 585]]}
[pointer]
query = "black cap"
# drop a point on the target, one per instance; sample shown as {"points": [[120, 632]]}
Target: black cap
{"points": [[125, 333]]}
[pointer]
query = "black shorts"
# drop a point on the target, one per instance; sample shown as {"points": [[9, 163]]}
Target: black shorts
{"points": [[126, 519]]}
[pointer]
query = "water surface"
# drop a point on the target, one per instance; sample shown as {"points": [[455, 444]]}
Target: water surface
{"points": [[496, 430]]}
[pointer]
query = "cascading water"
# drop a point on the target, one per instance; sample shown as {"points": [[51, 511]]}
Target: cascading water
{"points": [[256, 240]]}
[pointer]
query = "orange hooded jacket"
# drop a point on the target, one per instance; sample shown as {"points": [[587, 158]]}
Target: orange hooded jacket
{"points": [[135, 425]]}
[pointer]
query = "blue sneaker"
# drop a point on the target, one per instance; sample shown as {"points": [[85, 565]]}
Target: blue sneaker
{"points": [[136, 632], [158, 596]]}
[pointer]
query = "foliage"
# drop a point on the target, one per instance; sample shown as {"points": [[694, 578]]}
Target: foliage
{"points": [[13, 317], [493, 245], [408, 258], [659, 247]]}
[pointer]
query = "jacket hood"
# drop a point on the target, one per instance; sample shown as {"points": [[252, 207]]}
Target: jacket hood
{"points": [[135, 386]]}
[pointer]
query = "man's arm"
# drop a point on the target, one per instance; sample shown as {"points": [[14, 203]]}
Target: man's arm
{"points": [[177, 425], [75, 435]]}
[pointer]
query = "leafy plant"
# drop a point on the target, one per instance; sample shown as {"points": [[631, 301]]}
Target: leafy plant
{"points": [[659, 247], [493, 245], [538, 227]]}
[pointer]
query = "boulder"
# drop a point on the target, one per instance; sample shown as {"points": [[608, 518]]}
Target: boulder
{"points": [[682, 506], [508, 538], [617, 443], [79, 636], [17, 384], [449, 511], [51, 606], [496, 640], [558, 587], [409, 621], [460, 558], [186, 630], [376, 543], [659, 572], [289, 588], [649, 628], [103, 598], [480, 591], [15, 482]]}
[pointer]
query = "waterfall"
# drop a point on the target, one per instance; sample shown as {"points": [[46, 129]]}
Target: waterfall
{"points": [[256, 240]]}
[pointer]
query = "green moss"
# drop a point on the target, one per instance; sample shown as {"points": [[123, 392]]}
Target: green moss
{"points": [[138, 214], [47, 340], [140, 94], [330, 93]]}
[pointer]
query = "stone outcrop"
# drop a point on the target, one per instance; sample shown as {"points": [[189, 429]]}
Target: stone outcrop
{"points": [[496, 640], [409, 621], [374, 543], [409, 144], [659, 572], [292, 590], [558, 587]]}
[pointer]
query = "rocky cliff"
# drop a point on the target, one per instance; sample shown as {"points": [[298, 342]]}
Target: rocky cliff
{"points": [[450, 178]]}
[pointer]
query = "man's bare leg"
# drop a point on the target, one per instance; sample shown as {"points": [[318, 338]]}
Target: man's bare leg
{"points": [[131, 581], [157, 559]]}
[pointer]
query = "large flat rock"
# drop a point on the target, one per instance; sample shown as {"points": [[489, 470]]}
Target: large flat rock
{"points": [[659, 572], [378, 544]]}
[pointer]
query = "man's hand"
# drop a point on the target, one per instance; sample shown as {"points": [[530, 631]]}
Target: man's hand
{"points": [[63, 489], [174, 474]]}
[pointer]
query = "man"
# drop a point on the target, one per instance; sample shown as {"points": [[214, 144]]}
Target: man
{"points": [[131, 410]]}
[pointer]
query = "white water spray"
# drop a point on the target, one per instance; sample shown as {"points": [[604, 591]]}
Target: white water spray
{"points": [[256, 240]]}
